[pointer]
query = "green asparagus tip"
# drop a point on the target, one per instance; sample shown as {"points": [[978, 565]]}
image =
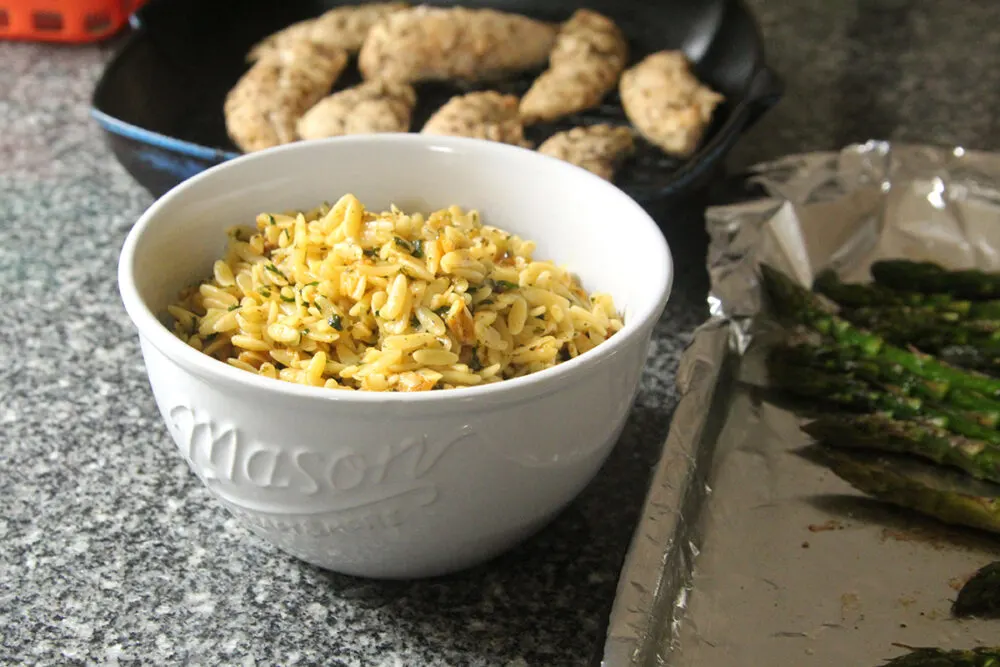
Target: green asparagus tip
{"points": [[790, 301], [826, 279]]}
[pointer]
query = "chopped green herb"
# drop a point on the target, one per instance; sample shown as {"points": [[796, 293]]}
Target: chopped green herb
{"points": [[370, 252], [305, 332], [402, 243], [474, 363], [233, 307], [273, 269], [270, 219], [312, 284], [336, 322], [501, 286], [265, 292], [418, 249], [287, 299]]}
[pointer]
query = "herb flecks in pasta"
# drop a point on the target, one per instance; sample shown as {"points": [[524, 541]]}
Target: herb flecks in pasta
{"points": [[345, 298]]}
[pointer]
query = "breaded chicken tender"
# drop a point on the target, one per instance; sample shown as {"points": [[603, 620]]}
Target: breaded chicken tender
{"points": [[667, 104], [264, 106], [434, 43], [589, 55], [588, 34], [599, 149], [342, 27], [481, 115], [368, 108]]}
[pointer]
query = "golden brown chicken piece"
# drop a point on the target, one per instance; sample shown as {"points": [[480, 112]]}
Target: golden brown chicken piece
{"points": [[264, 106], [482, 115], [589, 55], [588, 34], [434, 43], [342, 27], [368, 108], [666, 102], [599, 149]]}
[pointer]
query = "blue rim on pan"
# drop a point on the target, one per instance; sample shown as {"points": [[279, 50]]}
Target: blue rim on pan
{"points": [[159, 100]]}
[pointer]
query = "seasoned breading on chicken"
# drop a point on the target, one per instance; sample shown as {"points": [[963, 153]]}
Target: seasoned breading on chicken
{"points": [[264, 106], [588, 34], [567, 89], [589, 55], [434, 43], [666, 102], [599, 149], [481, 115], [368, 108], [342, 27]]}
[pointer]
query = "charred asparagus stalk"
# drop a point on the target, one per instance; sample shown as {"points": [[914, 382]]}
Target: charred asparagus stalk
{"points": [[936, 657], [968, 347], [852, 394], [794, 303], [935, 491], [892, 377], [864, 295], [920, 437], [980, 596], [970, 357], [928, 329], [929, 278], [924, 317], [872, 295]]}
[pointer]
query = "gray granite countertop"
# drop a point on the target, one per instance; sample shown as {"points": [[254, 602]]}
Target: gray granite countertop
{"points": [[111, 552]]}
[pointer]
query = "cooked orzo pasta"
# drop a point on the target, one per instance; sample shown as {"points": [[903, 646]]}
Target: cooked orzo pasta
{"points": [[344, 298]]}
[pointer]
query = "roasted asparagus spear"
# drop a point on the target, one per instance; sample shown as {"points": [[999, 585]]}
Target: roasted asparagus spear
{"points": [[936, 657], [888, 376], [796, 304], [947, 495], [980, 596], [920, 437], [930, 278], [873, 295]]}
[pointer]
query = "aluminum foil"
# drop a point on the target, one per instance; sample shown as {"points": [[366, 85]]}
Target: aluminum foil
{"points": [[748, 553]]}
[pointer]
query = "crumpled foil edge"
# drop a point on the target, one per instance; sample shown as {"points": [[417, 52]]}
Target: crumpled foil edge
{"points": [[651, 596]]}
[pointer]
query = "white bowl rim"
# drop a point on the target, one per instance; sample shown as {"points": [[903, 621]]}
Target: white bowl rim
{"points": [[155, 332]]}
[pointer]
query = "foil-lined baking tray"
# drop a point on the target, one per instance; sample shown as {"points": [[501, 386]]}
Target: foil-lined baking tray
{"points": [[748, 553]]}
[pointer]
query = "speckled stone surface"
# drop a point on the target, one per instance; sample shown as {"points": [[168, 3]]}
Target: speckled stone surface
{"points": [[111, 552]]}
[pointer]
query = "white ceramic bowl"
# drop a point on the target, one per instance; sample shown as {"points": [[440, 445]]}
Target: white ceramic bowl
{"points": [[383, 484]]}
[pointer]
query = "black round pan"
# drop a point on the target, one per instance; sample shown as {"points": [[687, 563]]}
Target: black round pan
{"points": [[160, 98]]}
